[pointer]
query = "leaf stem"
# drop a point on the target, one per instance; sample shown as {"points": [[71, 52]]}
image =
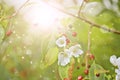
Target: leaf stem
{"points": [[79, 12], [86, 20], [16, 12]]}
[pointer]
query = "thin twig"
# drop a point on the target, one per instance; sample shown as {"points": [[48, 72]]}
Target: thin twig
{"points": [[14, 14], [80, 8], [89, 44], [86, 60], [89, 38], [70, 70], [17, 11], [87, 21]]}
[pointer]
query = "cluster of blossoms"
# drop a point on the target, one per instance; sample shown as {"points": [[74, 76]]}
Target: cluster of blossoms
{"points": [[65, 56], [116, 62]]}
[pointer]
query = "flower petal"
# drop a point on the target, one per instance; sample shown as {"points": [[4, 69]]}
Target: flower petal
{"points": [[113, 60], [93, 8], [61, 42], [117, 71], [118, 61], [75, 50], [117, 77], [64, 57]]}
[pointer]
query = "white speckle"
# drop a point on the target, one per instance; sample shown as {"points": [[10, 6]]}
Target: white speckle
{"points": [[8, 55], [10, 41], [24, 47], [23, 57], [14, 32], [40, 76], [31, 62], [16, 22], [41, 61], [93, 39], [53, 71], [28, 52], [18, 37], [90, 32], [4, 58], [23, 35]]}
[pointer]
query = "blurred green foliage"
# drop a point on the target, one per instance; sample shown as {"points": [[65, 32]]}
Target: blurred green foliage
{"points": [[36, 59]]}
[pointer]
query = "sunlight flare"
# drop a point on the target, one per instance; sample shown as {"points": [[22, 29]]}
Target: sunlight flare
{"points": [[42, 16]]}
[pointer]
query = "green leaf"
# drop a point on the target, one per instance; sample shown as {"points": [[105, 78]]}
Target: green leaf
{"points": [[2, 33], [63, 72], [108, 77], [51, 56], [96, 69]]}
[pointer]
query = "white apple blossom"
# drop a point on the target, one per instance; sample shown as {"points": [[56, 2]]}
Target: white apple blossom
{"points": [[117, 77], [75, 50], [64, 57], [117, 71], [116, 62], [113, 60], [61, 42], [93, 8]]}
